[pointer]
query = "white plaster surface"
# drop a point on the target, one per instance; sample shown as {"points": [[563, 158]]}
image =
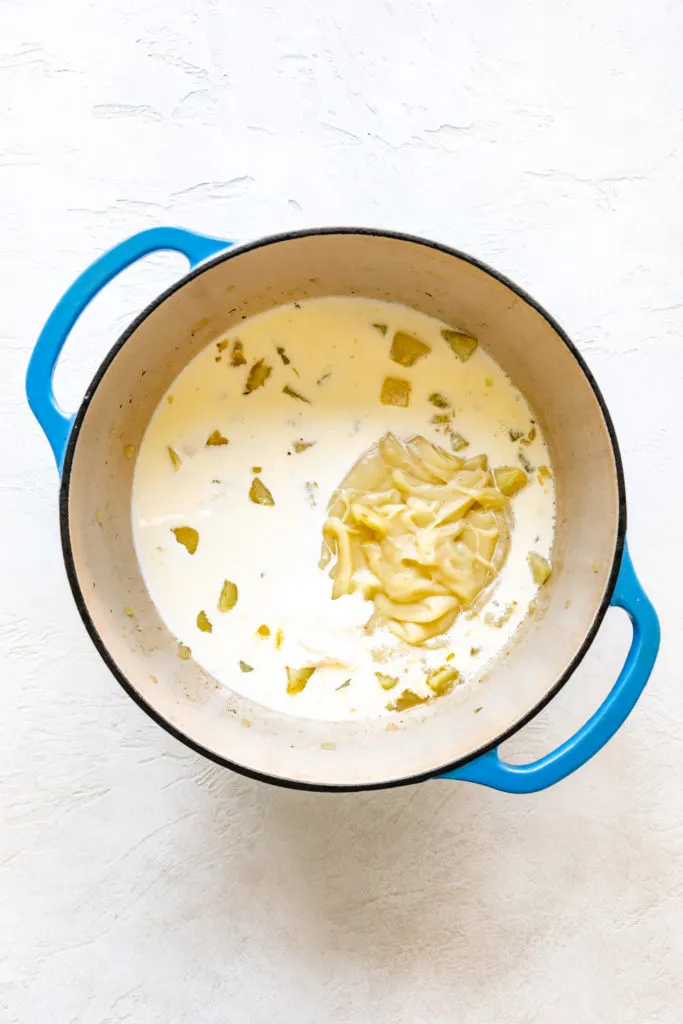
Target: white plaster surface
{"points": [[141, 884]]}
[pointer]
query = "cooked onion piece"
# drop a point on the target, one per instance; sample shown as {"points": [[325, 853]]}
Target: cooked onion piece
{"points": [[418, 531]]}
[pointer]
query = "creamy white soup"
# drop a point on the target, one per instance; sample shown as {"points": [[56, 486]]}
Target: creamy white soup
{"points": [[238, 471]]}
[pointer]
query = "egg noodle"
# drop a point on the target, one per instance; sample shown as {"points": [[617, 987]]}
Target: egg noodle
{"points": [[418, 531]]}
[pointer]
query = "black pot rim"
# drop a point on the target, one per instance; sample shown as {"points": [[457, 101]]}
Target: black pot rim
{"points": [[222, 257]]}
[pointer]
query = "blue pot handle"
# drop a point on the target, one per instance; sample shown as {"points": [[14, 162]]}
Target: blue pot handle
{"points": [[55, 423], [489, 770]]}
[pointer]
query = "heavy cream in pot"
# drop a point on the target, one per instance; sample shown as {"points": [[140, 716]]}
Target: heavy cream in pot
{"points": [[298, 433]]}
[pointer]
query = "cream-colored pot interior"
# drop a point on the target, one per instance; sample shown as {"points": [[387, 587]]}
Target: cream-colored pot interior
{"points": [[103, 566]]}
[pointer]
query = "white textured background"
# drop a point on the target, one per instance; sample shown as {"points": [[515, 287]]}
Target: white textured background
{"points": [[140, 884]]}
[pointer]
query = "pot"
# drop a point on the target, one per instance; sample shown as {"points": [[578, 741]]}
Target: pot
{"points": [[592, 568]]}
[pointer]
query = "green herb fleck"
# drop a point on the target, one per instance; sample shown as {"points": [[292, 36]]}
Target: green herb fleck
{"points": [[295, 394]]}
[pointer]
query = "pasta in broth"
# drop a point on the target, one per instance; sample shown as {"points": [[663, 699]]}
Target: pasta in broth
{"points": [[420, 532]]}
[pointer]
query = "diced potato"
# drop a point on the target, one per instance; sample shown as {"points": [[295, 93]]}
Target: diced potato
{"points": [[386, 682], [441, 681], [238, 358], [509, 479], [227, 598], [295, 394], [408, 699], [297, 679], [258, 375], [176, 461], [540, 568], [461, 343], [259, 493], [215, 439], [187, 536], [203, 623], [477, 462], [458, 442], [406, 349], [395, 392]]}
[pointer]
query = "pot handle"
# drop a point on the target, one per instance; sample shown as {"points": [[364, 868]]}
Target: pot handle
{"points": [[489, 770], [55, 422]]}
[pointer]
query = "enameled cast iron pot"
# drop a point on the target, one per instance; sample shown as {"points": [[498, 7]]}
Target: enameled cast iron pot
{"points": [[226, 284]]}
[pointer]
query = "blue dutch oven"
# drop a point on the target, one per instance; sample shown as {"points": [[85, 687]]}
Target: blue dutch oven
{"points": [[226, 283]]}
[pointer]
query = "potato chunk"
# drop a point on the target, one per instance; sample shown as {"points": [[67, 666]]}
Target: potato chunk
{"points": [[395, 392], [509, 479], [297, 679], [540, 568], [406, 349], [188, 537], [259, 493], [462, 344]]}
